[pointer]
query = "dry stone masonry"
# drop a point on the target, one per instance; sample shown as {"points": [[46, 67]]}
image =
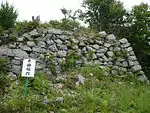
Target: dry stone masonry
{"points": [[41, 44]]}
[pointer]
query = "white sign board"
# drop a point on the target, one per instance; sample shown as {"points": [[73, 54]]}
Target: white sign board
{"points": [[28, 68]]}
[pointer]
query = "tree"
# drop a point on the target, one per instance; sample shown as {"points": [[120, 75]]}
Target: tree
{"points": [[139, 33], [105, 15], [69, 21], [8, 15]]}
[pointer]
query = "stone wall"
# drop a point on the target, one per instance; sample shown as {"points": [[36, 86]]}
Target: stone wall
{"points": [[104, 50]]}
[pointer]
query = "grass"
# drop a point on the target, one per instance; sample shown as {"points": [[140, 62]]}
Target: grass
{"points": [[99, 94]]}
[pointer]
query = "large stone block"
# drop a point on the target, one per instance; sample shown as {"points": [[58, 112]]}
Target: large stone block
{"points": [[136, 68]]}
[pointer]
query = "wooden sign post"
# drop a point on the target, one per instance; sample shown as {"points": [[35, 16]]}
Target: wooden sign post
{"points": [[28, 69]]}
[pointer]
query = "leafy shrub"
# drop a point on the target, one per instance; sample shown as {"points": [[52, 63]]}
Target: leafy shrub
{"points": [[8, 15], [3, 65], [1, 30], [94, 70], [69, 24], [22, 27], [65, 24], [40, 97], [70, 62], [4, 79], [52, 65]]}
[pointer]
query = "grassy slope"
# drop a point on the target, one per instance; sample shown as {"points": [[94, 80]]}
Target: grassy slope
{"points": [[99, 94]]}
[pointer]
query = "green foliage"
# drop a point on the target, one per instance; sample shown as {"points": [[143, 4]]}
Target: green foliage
{"points": [[1, 30], [90, 55], [104, 14], [98, 94], [36, 101], [70, 62], [118, 54], [22, 27], [8, 15], [64, 24], [138, 33], [4, 79], [93, 71], [3, 65], [52, 65]]}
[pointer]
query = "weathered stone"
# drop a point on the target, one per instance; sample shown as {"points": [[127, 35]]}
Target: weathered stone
{"points": [[111, 49], [26, 48], [125, 45], [90, 49], [58, 69], [99, 42], [97, 62], [62, 47], [120, 59], [107, 45], [110, 63], [123, 40], [75, 41], [111, 37], [129, 49], [30, 44], [99, 55], [41, 44], [39, 66], [26, 35], [132, 58], [114, 72], [136, 68], [82, 44], [79, 52], [124, 64], [94, 56], [118, 64], [20, 53], [60, 99], [132, 53], [117, 48], [142, 78], [16, 69], [12, 75], [42, 56], [63, 37], [102, 50], [39, 50], [6, 52], [102, 34], [12, 46], [124, 70], [110, 53], [96, 46], [133, 63], [48, 36], [61, 54], [34, 33], [79, 62], [58, 41], [75, 47], [55, 31], [53, 48], [15, 62], [115, 67], [20, 39], [105, 58], [81, 79], [33, 55], [50, 42]]}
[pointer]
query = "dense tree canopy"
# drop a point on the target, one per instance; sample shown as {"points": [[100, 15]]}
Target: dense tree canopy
{"points": [[104, 14]]}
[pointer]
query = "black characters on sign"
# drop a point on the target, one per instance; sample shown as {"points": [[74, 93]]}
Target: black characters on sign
{"points": [[28, 69]]}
